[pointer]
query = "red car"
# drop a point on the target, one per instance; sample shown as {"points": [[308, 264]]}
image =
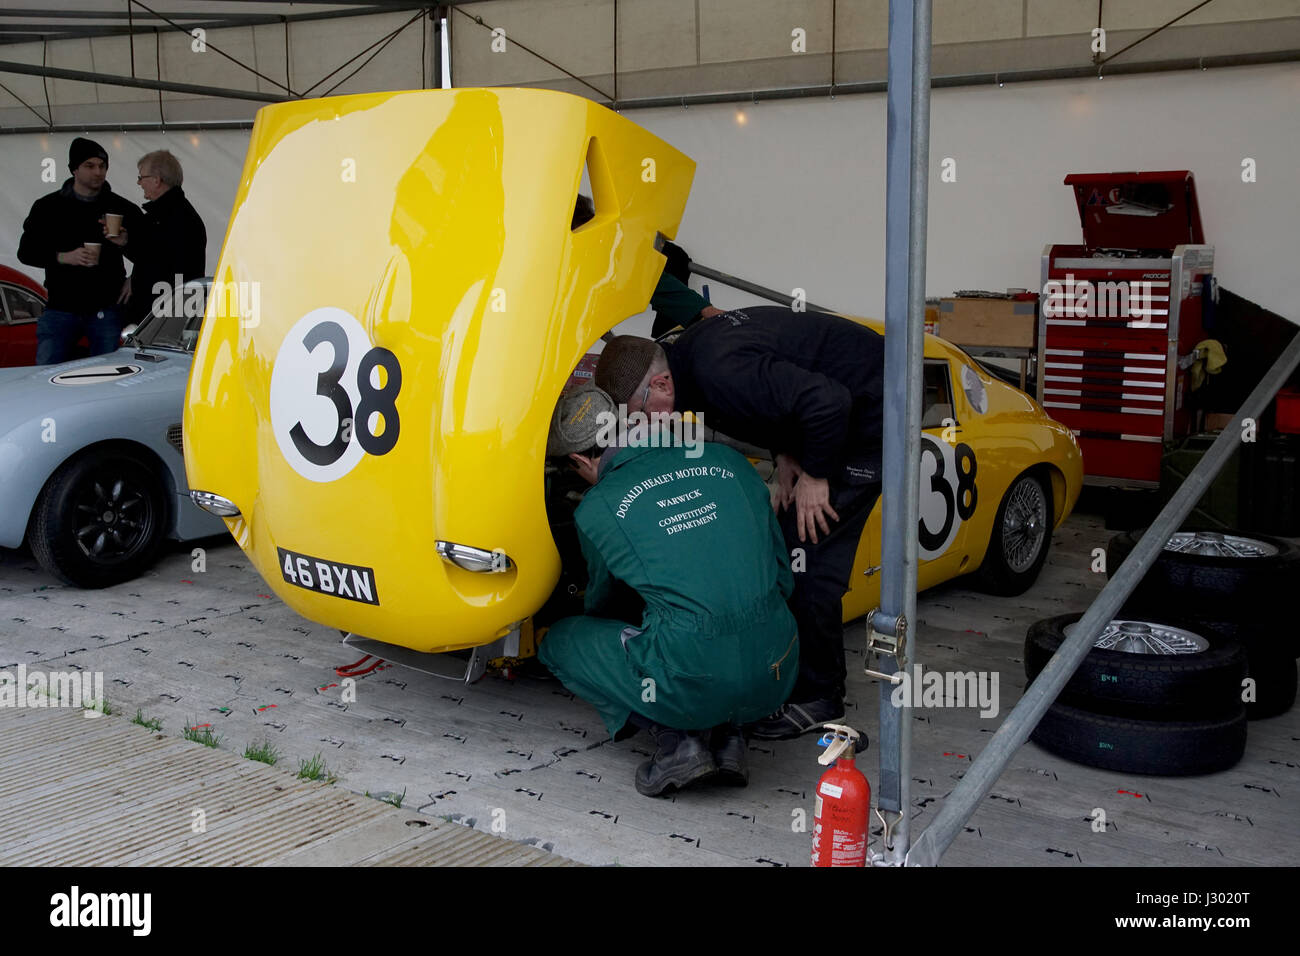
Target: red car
{"points": [[22, 300]]}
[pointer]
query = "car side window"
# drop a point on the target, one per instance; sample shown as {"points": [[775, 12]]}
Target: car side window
{"points": [[22, 305], [936, 405]]}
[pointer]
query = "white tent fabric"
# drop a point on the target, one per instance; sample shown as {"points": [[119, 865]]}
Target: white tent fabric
{"points": [[684, 47], [220, 57], [664, 48]]}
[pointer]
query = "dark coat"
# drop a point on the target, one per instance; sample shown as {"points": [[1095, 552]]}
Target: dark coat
{"points": [[808, 384], [61, 222], [170, 241]]}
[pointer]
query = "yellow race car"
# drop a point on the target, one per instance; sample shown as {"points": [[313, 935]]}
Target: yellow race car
{"points": [[373, 427]]}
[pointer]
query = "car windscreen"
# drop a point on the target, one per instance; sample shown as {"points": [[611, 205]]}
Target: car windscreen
{"points": [[174, 322]]}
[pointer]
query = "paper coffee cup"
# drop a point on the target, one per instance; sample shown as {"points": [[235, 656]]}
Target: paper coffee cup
{"points": [[113, 221], [93, 249]]}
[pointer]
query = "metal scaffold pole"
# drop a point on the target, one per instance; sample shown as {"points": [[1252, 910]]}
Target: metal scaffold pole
{"points": [[892, 629]]}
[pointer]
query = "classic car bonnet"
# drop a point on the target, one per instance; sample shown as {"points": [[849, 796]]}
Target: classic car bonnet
{"points": [[398, 303]]}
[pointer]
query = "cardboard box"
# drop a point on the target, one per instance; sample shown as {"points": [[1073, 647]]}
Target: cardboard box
{"points": [[931, 319], [1217, 421], [1006, 322]]}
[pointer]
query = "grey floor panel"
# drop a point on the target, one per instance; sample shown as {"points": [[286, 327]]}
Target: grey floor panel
{"points": [[526, 761]]}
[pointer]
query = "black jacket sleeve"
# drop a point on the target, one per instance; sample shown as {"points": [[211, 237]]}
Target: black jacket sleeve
{"points": [[805, 413], [37, 245]]}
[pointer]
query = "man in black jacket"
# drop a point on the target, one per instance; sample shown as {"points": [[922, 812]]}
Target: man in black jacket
{"points": [[809, 386], [170, 241], [87, 286]]}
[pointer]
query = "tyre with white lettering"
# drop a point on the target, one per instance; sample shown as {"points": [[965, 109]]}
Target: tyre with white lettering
{"points": [[99, 519], [1143, 667], [1022, 535], [1164, 748]]}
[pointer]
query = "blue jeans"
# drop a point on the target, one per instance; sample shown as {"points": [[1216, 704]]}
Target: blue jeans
{"points": [[58, 332]]}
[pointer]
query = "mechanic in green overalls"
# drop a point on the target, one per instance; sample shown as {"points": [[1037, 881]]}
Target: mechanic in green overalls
{"points": [[690, 529]]}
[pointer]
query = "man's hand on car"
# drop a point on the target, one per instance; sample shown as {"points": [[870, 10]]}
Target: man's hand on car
{"points": [[787, 471], [812, 502]]}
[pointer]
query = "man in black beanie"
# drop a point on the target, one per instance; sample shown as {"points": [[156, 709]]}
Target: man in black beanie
{"points": [[65, 235]]}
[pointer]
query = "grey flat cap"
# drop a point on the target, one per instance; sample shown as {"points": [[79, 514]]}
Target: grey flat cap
{"points": [[577, 420]]}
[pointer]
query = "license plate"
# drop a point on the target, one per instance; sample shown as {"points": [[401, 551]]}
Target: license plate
{"points": [[352, 582]]}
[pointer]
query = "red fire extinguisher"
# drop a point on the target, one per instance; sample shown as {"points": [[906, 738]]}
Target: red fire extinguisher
{"points": [[843, 803]]}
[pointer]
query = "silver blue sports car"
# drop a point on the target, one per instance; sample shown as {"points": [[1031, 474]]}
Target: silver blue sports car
{"points": [[91, 474]]}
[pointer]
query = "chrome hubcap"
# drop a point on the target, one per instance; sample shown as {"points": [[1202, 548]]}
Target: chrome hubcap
{"points": [[1024, 525], [1219, 545], [1145, 637]]}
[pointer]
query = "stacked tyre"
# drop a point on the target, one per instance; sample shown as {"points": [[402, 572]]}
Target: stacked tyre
{"points": [[1153, 696], [1235, 587]]}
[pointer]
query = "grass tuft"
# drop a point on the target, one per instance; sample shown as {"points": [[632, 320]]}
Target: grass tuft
{"points": [[262, 752], [153, 723], [315, 769], [202, 735]]}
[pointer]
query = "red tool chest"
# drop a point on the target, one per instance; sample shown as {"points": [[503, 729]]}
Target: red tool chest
{"points": [[1119, 320]]}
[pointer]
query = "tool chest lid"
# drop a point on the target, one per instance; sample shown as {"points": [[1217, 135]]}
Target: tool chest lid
{"points": [[1152, 210]]}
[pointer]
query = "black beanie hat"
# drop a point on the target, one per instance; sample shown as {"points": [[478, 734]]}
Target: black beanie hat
{"points": [[83, 149]]}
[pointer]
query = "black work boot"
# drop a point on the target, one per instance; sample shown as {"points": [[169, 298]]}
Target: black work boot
{"points": [[681, 758], [728, 746]]}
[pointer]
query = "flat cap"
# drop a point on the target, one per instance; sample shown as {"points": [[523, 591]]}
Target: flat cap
{"points": [[577, 420], [622, 365]]}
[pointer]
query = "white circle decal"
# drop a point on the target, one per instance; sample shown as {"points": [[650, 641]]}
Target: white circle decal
{"points": [[314, 392], [949, 494]]}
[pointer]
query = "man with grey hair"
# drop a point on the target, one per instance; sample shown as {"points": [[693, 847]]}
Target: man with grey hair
{"points": [[171, 240], [715, 646]]}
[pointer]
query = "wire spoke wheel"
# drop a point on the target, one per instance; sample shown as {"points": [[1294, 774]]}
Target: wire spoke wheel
{"points": [[1024, 525], [1020, 537], [1146, 637], [1216, 544]]}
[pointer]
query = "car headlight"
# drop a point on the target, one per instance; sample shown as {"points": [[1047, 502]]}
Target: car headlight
{"points": [[215, 504], [474, 559]]}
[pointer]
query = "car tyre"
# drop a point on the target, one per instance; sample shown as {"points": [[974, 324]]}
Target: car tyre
{"points": [[1270, 662], [1022, 536], [1184, 675], [99, 519], [1165, 748], [1213, 586]]}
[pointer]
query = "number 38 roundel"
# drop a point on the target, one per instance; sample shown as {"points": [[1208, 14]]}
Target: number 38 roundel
{"points": [[948, 494], [330, 405]]}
